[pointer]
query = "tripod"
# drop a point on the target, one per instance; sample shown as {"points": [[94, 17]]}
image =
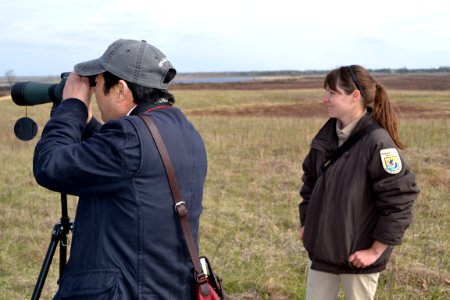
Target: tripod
{"points": [[59, 234]]}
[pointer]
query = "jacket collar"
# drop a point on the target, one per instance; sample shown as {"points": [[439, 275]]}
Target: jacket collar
{"points": [[326, 139], [145, 106]]}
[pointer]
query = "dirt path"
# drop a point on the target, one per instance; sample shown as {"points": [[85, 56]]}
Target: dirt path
{"points": [[435, 82], [317, 110]]}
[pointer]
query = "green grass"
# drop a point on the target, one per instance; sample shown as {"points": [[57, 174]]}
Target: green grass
{"points": [[249, 228]]}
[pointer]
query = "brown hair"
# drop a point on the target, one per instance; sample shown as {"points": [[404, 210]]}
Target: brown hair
{"points": [[354, 77]]}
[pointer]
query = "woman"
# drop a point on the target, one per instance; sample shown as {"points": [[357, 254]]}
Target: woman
{"points": [[356, 208]]}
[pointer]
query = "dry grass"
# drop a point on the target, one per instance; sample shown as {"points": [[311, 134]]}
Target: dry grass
{"points": [[250, 220]]}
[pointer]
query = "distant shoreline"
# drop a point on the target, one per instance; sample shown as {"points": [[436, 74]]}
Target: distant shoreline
{"points": [[431, 79]]}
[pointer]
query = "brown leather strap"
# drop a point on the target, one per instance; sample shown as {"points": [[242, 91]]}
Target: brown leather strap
{"points": [[180, 205]]}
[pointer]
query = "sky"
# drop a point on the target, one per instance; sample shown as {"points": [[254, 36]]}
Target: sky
{"points": [[48, 37]]}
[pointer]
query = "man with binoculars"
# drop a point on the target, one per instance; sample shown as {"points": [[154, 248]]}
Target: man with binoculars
{"points": [[127, 241]]}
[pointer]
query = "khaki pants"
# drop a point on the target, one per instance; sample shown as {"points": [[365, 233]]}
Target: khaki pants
{"points": [[325, 286]]}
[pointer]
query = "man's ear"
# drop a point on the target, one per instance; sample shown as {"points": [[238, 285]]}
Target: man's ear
{"points": [[123, 91]]}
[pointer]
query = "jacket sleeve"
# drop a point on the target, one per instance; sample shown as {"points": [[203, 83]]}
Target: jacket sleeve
{"points": [[309, 179], [92, 127], [396, 194], [65, 163]]}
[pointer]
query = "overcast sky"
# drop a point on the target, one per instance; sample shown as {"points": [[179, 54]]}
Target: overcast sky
{"points": [[47, 37]]}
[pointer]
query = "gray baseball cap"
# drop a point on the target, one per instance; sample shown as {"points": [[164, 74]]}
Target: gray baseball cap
{"points": [[134, 61]]}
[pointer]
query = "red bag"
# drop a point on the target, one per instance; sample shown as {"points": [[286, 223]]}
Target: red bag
{"points": [[206, 292], [209, 287]]}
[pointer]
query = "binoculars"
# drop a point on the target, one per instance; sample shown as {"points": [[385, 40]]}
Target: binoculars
{"points": [[34, 93]]}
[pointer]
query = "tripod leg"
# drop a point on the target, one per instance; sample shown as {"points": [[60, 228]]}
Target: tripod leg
{"points": [[47, 262], [66, 226], [62, 254]]}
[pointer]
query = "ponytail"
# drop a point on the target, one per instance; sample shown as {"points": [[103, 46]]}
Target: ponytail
{"points": [[384, 114]]}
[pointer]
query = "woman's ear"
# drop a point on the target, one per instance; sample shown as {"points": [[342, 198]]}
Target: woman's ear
{"points": [[356, 96]]}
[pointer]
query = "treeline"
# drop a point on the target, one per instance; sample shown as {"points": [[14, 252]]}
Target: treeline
{"points": [[406, 70], [6, 82], [445, 69]]}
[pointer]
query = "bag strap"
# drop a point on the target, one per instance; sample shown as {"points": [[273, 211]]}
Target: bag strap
{"points": [[180, 205], [347, 145]]}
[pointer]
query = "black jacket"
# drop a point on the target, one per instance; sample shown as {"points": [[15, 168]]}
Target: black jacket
{"points": [[355, 202], [127, 240]]}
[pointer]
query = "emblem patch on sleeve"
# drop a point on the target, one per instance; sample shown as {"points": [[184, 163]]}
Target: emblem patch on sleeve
{"points": [[391, 160]]}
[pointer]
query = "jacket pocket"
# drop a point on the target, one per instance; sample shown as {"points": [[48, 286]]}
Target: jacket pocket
{"points": [[90, 284]]}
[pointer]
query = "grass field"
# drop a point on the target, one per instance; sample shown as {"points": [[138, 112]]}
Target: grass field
{"points": [[256, 141]]}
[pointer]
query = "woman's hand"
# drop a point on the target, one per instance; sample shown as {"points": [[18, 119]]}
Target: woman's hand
{"points": [[364, 258]]}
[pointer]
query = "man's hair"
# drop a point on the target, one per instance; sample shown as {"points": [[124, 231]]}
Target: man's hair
{"points": [[140, 93]]}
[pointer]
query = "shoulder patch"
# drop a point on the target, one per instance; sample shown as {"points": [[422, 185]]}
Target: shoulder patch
{"points": [[391, 160]]}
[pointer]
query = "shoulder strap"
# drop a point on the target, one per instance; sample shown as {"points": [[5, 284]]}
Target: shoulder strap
{"points": [[180, 205], [347, 145]]}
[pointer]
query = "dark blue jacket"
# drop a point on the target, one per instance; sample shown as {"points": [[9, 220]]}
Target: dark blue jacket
{"points": [[127, 241]]}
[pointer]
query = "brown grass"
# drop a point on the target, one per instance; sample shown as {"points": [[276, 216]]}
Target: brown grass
{"points": [[256, 141]]}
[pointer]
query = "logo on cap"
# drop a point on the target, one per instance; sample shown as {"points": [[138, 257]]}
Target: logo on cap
{"points": [[161, 63]]}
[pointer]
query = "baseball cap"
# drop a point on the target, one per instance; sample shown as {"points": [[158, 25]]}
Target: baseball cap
{"points": [[134, 61]]}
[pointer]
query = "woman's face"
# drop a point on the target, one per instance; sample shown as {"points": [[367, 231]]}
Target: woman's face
{"points": [[339, 105]]}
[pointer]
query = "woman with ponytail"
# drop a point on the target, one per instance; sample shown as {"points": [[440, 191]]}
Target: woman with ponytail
{"points": [[357, 192]]}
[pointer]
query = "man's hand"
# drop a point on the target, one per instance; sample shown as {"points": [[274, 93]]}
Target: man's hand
{"points": [[301, 232], [364, 258], [78, 87]]}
